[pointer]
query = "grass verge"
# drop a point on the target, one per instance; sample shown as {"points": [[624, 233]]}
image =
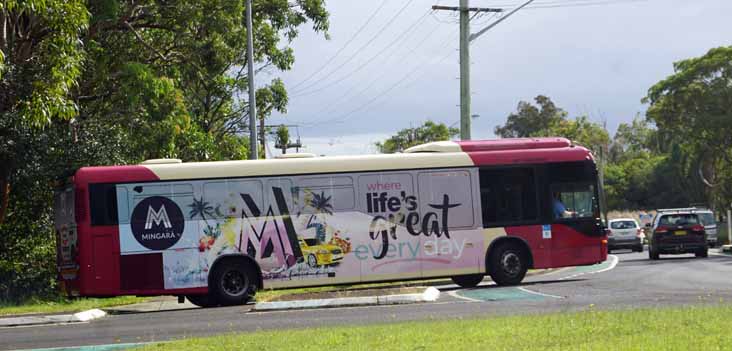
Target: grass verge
{"points": [[61, 305], [688, 328]]}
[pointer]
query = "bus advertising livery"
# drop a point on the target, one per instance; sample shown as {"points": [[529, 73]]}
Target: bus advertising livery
{"points": [[218, 231]]}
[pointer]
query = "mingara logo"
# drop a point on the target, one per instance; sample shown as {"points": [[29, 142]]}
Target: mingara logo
{"points": [[161, 216], [157, 223]]}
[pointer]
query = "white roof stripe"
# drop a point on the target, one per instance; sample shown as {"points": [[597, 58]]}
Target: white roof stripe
{"points": [[334, 164]]}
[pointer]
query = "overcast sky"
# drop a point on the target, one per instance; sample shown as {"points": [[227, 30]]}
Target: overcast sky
{"points": [[402, 67]]}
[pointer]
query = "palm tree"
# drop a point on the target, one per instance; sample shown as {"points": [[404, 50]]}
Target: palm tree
{"points": [[202, 209], [321, 204]]}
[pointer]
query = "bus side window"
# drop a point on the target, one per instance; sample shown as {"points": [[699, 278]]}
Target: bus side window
{"points": [[453, 186], [336, 193], [103, 204], [508, 196]]}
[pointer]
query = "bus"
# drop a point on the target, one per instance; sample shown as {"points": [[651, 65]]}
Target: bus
{"points": [[216, 232]]}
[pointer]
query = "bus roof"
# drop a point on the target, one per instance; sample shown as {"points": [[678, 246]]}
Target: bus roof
{"points": [[432, 155]]}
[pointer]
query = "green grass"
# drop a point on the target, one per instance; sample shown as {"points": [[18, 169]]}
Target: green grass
{"points": [[61, 305], [688, 328]]}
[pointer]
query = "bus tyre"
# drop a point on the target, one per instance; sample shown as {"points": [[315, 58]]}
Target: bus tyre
{"points": [[468, 281], [201, 300], [233, 283], [507, 264]]}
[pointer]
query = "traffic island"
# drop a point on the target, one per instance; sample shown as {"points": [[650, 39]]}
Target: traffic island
{"points": [[80, 317], [365, 298]]}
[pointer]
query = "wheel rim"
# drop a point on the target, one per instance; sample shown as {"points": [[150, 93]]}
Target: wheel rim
{"points": [[511, 263], [234, 283], [312, 261]]}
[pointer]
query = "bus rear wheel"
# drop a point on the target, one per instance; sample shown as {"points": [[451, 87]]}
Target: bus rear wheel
{"points": [[507, 264], [468, 281], [233, 283]]}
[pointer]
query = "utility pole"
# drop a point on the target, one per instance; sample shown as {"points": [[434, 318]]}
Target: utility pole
{"points": [[252, 97], [465, 38], [464, 70]]}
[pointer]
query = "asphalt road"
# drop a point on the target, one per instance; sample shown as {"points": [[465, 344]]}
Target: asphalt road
{"points": [[634, 282]]}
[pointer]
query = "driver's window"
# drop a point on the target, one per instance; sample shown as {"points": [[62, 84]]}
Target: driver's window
{"points": [[573, 200]]}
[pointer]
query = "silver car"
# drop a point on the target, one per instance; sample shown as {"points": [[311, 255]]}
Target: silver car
{"points": [[624, 233]]}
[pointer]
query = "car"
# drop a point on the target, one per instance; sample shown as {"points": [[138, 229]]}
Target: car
{"points": [[677, 231], [317, 255], [710, 226], [624, 233], [707, 220]]}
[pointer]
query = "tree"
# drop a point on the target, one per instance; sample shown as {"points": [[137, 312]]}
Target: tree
{"points": [[40, 63], [582, 131], [692, 110], [528, 120], [282, 138], [118, 81], [408, 137]]}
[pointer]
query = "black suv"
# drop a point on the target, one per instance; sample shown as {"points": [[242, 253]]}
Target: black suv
{"points": [[677, 232]]}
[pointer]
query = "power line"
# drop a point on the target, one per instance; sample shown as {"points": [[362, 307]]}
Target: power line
{"points": [[348, 115], [368, 61], [348, 42], [335, 105], [360, 49]]}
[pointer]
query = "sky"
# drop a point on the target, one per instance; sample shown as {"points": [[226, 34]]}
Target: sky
{"points": [[392, 64]]}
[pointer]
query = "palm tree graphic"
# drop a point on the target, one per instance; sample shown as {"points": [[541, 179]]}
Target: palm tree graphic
{"points": [[321, 204]]}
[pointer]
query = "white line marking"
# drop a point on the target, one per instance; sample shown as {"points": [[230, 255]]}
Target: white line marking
{"points": [[540, 294], [455, 294], [614, 263]]}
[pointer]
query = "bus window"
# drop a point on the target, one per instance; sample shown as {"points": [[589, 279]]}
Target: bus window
{"points": [[103, 204], [573, 188], [338, 190], [508, 196], [453, 186], [231, 196], [575, 200]]}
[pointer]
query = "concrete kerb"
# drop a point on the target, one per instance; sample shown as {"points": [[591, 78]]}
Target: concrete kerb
{"points": [[80, 317], [430, 294]]}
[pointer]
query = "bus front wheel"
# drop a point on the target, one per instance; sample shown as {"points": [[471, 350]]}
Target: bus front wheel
{"points": [[508, 264], [233, 283]]}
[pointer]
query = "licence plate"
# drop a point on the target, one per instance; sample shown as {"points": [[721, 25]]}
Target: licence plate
{"points": [[680, 232]]}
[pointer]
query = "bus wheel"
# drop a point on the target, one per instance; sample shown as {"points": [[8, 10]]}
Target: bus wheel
{"points": [[201, 300], [233, 283], [468, 281], [508, 264]]}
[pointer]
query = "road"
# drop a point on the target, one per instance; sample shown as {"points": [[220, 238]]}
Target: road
{"points": [[634, 282]]}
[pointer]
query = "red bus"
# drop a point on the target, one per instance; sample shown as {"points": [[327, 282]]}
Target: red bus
{"points": [[216, 232]]}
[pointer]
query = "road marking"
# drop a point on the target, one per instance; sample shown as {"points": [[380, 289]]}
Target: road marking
{"points": [[454, 293], [612, 265], [539, 293]]}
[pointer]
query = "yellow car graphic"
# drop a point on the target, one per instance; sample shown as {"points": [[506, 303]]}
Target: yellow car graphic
{"points": [[320, 255]]}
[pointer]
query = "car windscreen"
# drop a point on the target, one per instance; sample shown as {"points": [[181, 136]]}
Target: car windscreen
{"points": [[623, 225], [679, 219]]}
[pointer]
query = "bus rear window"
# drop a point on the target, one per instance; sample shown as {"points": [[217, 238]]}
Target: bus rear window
{"points": [[103, 204]]}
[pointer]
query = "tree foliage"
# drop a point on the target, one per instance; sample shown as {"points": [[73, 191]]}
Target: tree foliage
{"points": [[408, 137], [692, 109], [530, 120], [119, 81]]}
